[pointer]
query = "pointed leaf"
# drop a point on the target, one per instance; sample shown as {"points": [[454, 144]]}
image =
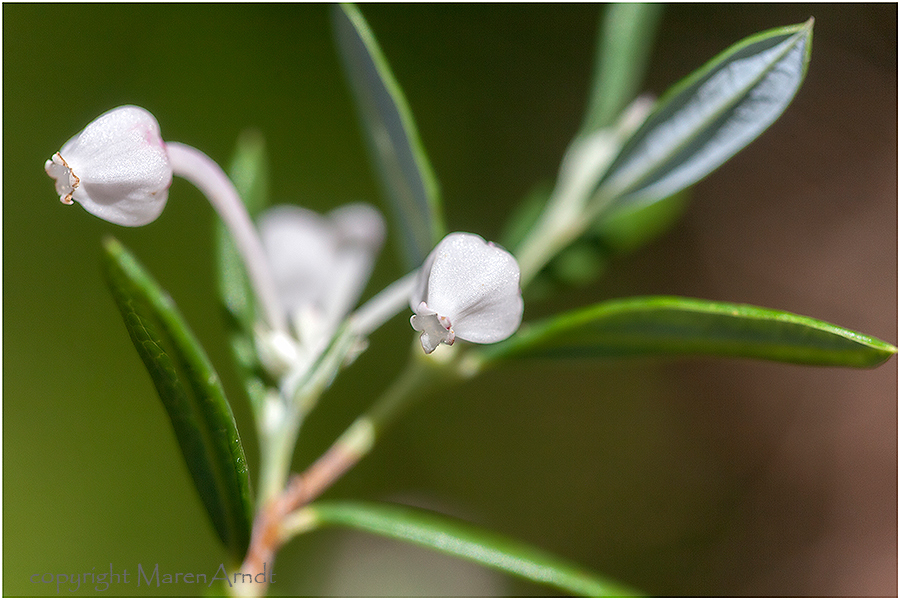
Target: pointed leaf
{"points": [[250, 174], [191, 393], [626, 37], [707, 118], [466, 541], [665, 325], [405, 173]]}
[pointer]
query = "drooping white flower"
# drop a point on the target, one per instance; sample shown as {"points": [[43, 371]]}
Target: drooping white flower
{"points": [[468, 289], [320, 264], [120, 169], [117, 168]]}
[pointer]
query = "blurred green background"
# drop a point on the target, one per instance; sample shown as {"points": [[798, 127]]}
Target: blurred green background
{"points": [[683, 477]]}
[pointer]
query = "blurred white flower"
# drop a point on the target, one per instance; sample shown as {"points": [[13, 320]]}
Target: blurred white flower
{"points": [[468, 289], [117, 168], [320, 264]]}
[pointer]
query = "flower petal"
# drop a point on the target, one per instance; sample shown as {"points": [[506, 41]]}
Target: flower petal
{"points": [[361, 230], [117, 168], [321, 263], [493, 322], [300, 246], [476, 285]]}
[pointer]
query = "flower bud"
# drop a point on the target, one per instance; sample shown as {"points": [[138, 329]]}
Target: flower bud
{"points": [[468, 289], [117, 168]]}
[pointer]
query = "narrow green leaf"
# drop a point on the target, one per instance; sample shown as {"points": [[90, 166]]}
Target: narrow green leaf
{"points": [[466, 541], [523, 217], [633, 226], [406, 175], [626, 38], [191, 393], [667, 325], [711, 115], [250, 174]]}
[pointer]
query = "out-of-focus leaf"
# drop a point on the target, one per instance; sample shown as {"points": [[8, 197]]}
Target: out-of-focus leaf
{"points": [[708, 117], [469, 542], [666, 325], [581, 263], [191, 393], [633, 226], [525, 215], [615, 234], [626, 38], [394, 145], [250, 174]]}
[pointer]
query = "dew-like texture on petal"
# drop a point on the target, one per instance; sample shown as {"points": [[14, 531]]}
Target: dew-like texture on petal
{"points": [[122, 167], [321, 263], [476, 285]]}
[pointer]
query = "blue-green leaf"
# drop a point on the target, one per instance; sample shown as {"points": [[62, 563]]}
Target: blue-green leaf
{"points": [[394, 145], [626, 37], [667, 325], [711, 115], [466, 541], [191, 393]]}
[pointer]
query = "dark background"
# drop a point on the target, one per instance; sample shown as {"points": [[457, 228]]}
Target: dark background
{"points": [[682, 477]]}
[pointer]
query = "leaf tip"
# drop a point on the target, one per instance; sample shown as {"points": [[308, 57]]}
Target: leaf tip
{"points": [[889, 350], [112, 252], [111, 244]]}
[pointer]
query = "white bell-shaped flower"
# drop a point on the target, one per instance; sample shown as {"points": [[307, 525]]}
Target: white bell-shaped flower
{"points": [[468, 289], [320, 264], [117, 168]]}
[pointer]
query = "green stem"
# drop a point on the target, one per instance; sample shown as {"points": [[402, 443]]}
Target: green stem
{"points": [[275, 524], [277, 450], [283, 418], [555, 230], [575, 202], [422, 375]]}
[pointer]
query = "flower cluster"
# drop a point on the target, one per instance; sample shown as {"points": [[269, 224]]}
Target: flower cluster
{"points": [[310, 269]]}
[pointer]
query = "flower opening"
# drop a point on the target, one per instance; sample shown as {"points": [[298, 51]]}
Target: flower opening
{"points": [[469, 289]]}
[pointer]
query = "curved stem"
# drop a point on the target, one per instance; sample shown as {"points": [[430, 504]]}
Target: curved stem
{"points": [[208, 177], [384, 305], [556, 230]]}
